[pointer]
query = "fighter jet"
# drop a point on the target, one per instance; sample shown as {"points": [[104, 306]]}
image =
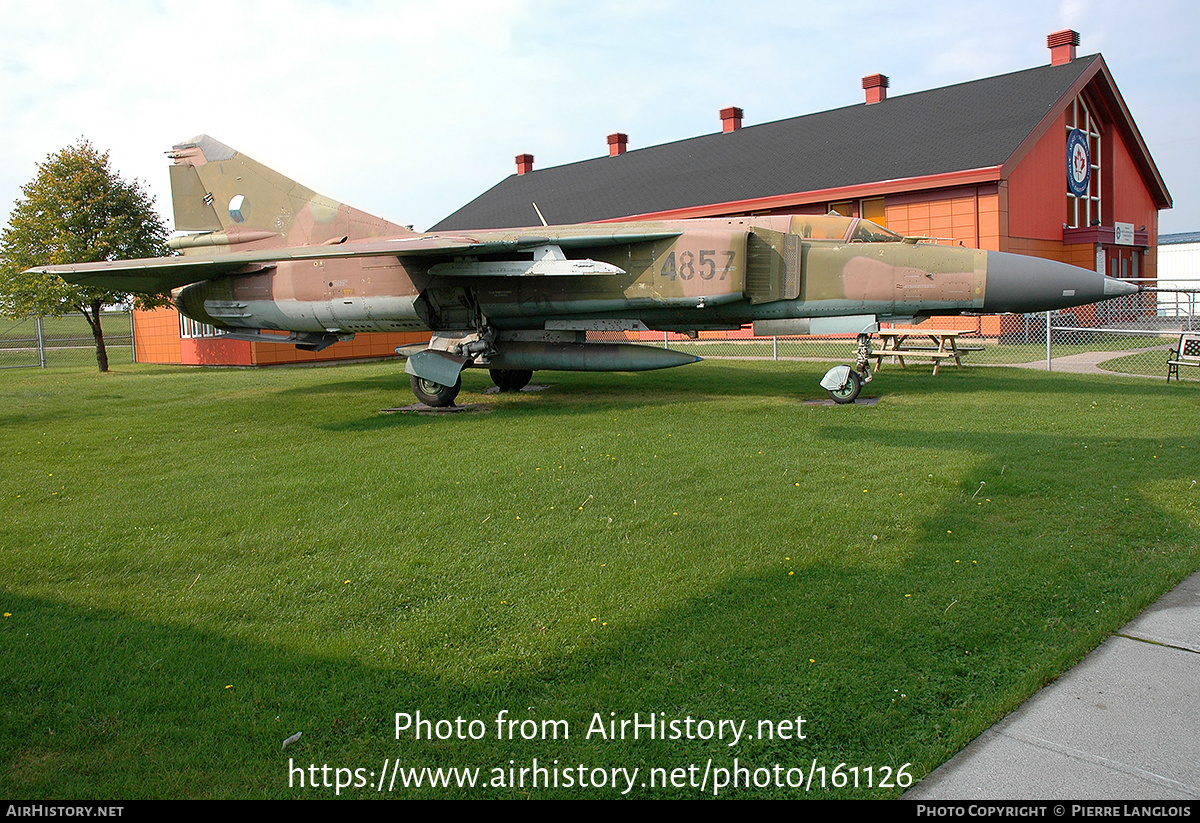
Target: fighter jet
{"points": [[269, 255]]}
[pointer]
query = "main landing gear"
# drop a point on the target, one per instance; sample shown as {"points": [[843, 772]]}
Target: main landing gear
{"points": [[435, 394], [511, 379], [439, 396]]}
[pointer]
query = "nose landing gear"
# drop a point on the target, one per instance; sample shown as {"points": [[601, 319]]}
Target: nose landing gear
{"points": [[844, 383]]}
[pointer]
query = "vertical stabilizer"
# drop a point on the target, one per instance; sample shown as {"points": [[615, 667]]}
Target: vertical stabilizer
{"points": [[236, 201]]}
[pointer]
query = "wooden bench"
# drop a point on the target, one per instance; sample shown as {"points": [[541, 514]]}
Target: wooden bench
{"points": [[1188, 354]]}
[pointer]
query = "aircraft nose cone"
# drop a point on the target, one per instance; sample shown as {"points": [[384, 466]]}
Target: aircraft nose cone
{"points": [[1018, 283]]}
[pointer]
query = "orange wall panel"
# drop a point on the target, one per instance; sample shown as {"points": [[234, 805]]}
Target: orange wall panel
{"points": [[947, 215], [156, 336], [989, 229], [362, 346]]}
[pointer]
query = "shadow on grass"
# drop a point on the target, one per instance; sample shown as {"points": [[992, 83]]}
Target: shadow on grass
{"points": [[570, 393], [127, 709], [1019, 382], [886, 666], [393, 382]]}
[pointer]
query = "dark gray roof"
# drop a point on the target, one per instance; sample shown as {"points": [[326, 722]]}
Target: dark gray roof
{"points": [[967, 126], [1176, 239]]}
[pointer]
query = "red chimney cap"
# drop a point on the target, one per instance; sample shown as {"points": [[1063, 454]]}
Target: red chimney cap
{"points": [[1062, 46], [524, 163], [1066, 37], [876, 86]]}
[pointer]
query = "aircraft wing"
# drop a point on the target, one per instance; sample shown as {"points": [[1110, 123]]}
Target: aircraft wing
{"points": [[158, 275]]}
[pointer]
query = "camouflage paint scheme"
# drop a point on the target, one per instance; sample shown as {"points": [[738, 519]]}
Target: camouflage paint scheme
{"points": [[272, 255]]}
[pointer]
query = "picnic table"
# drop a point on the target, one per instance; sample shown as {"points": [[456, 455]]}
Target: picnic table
{"points": [[936, 345]]}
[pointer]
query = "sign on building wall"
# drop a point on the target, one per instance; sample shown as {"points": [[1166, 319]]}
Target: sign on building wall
{"points": [[1079, 163]]}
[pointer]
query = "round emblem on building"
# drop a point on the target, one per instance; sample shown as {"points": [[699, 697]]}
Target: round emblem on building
{"points": [[1079, 163], [237, 209]]}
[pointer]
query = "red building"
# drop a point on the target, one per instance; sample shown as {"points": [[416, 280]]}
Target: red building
{"points": [[1046, 162]]}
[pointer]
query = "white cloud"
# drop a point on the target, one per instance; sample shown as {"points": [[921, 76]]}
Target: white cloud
{"points": [[411, 109]]}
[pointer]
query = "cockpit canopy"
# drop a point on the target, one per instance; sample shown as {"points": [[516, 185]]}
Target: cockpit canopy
{"points": [[846, 229]]}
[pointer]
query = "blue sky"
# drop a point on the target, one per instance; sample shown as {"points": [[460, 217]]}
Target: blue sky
{"points": [[410, 109]]}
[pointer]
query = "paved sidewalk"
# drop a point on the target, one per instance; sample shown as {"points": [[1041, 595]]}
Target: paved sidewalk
{"points": [[1088, 362], [1122, 725]]}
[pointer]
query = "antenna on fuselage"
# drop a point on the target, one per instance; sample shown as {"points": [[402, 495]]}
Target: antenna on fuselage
{"points": [[539, 213]]}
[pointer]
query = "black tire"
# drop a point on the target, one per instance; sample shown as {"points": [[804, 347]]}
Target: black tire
{"points": [[848, 392], [435, 394], [511, 379]]}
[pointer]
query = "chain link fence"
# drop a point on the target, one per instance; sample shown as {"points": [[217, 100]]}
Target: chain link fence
{"points": [[1128, 335], [63, 341]]}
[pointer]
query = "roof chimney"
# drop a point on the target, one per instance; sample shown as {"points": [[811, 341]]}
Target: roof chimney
{"points": [[617, 143], [1062, 46], [731, 119], [524, 163], [876, 86]]}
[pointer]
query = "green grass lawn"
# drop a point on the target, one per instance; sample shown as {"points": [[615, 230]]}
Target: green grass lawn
{"points": [[1150, 366], [197, 564]]}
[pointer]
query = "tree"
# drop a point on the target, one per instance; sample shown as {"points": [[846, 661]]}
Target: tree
{"points": [[77, 210]]}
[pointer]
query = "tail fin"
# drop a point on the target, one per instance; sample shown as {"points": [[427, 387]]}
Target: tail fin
{"points": [[236, 201]]}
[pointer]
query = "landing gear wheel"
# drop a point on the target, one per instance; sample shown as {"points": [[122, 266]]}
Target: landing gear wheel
{"points": [[848, 392], [511, 379], [435, 394]]}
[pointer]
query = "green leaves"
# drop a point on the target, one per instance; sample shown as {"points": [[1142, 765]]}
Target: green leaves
{"points": [[77, 210]]}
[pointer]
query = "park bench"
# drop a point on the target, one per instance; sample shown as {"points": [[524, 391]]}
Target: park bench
{"points": [[1188, 354]]}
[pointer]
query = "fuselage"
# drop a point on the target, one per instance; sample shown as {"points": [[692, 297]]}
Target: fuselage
{"points": [[699, 274]]}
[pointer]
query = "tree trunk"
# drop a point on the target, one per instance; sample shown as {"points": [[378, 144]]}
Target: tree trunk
{"points": [[92, 313]]}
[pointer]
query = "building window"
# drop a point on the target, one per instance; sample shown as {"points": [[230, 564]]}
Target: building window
{"points": [[189, 328], [873, 210], [1084, 210]]}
